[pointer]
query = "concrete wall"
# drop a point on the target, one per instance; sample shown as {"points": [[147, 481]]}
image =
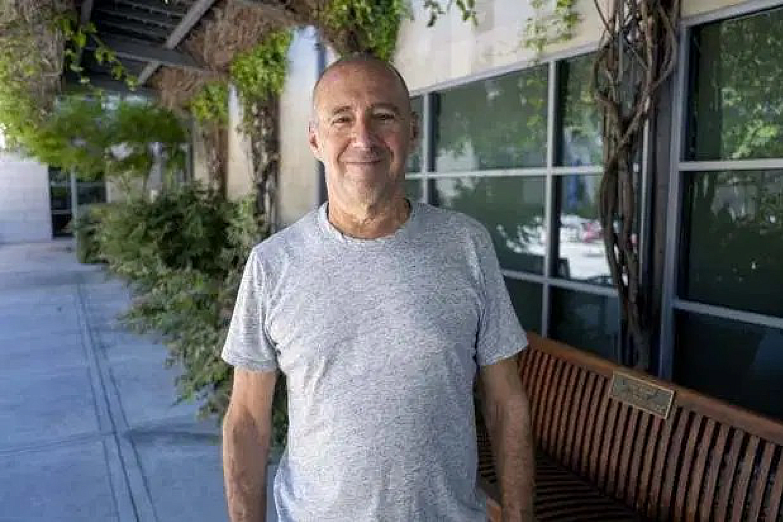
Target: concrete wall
{"points": [[240, 157], [24, 200], [298, 182]]}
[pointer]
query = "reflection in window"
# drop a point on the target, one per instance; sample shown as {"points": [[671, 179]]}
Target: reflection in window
{"points": [[736, 110], [526, 297], [580, 248], [738, 362], [512, 209], [413, 189], [586, 321], [493, 124], [414, 158], [579, 136], [734, 241]]}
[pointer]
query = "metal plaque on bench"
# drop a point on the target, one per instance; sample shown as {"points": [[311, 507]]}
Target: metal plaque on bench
{"points": [[652, 398]]}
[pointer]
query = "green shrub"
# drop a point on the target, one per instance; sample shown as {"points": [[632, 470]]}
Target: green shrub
{"points": [[184, 255], [85, 229]]}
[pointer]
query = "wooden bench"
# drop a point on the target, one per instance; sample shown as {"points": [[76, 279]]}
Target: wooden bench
{"points": [[602, 458]]}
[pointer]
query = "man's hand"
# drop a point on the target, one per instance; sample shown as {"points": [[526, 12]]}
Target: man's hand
{"points": [[507, 416], [247, 429]]}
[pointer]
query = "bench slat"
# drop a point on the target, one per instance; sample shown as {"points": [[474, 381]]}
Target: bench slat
{"points": [[740, 492], [776, 494], [727, 476], [606, 445], [760, 487], [567, 412], [558, 410], [674, 457], [638, 457], [553, 387], [578, 412], [598, 433], [695, 487], [625, 461], [649, 460], [582, 440], [687, 461], [712, 476], [617, 448], [660, 462], [540, 392]]}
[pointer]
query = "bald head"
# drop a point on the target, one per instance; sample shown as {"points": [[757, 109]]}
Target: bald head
{"points": [[371, 64]]}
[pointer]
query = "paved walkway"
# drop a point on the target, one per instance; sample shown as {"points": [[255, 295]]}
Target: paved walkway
{"points": [[88, 428]]}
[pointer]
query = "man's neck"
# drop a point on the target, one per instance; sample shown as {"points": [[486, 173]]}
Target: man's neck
{"points": [[369, 222]]}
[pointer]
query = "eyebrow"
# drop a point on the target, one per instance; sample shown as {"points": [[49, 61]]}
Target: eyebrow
{"points": [[383, 105]]}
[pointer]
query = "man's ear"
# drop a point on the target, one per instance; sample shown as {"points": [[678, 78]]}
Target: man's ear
{"points": [[312, 140]]}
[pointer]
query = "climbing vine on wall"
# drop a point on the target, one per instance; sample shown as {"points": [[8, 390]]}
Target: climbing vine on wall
{"points": [[549, 26], [369, 26]]}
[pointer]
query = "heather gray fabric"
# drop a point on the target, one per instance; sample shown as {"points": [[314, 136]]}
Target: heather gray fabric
{"points": [[379, 341]]}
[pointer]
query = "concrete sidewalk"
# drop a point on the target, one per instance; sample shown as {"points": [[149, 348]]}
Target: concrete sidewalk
{"points": [[88, 428]]}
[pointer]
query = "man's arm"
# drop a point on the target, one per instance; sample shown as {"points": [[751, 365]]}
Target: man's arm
{"points": [[247, 429], [507, 416]]}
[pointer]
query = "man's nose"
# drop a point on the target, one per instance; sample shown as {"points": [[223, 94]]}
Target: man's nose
{"points": [[363, 133]]}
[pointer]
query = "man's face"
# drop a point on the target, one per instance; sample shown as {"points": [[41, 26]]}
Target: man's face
{"points": [[362, 132]]}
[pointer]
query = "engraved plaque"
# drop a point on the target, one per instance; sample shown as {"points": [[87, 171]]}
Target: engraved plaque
{"points": [[641, 394]]}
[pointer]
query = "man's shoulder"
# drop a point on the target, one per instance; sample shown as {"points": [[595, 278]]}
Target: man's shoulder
{"points": [[289, 240]]}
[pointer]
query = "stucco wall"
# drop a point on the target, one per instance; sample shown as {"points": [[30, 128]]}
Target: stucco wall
{"points": [[239, 182], [298, 181], [24, 200]]}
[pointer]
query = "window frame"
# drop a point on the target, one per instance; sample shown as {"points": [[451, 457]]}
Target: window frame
{"points": [[550, 172], [679, 168]]}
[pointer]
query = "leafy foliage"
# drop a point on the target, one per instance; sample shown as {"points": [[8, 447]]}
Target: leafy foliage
{"points": [[369, 26], [260, 72], [211, 103], [184, 255], [467, 9], [546, 28]]}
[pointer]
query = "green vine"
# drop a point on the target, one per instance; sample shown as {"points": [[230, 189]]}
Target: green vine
{"points": [[366, 25], [210, 105], [78, 36], [260, 72], [466, 7], [545, 29]]}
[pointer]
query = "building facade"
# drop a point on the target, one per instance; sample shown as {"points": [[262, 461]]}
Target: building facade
{"points": [[515, 142]]}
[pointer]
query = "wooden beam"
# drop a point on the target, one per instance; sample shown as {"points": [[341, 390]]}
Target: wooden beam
{"points": [[156, 6], [148, 53], [194, 14], [86, 12], [138, 15], [109, 84], [134, 28]]}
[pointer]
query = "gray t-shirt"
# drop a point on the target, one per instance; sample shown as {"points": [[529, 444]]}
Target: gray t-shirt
{"points": [[379, 340]]}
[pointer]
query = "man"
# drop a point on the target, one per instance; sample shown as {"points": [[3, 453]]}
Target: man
{"points": [[378, 310]]}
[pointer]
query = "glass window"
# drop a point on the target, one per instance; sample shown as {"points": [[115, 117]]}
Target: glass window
{"points": [[734, 240], [587, 321], [414, 158], [579, 134], [57, 175], [413, 189], [580, 249], [738, 362], [89, 193], [61, 197], [527, 299], [493, 124], [736, 110], [512, 209]]}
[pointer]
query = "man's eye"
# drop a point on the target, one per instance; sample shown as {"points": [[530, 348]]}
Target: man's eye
{"points": [[341, 119], [385, 116]]}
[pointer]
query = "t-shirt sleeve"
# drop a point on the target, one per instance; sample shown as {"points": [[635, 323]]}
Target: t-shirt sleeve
{"points": [[499, 334], [247, 344]]}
